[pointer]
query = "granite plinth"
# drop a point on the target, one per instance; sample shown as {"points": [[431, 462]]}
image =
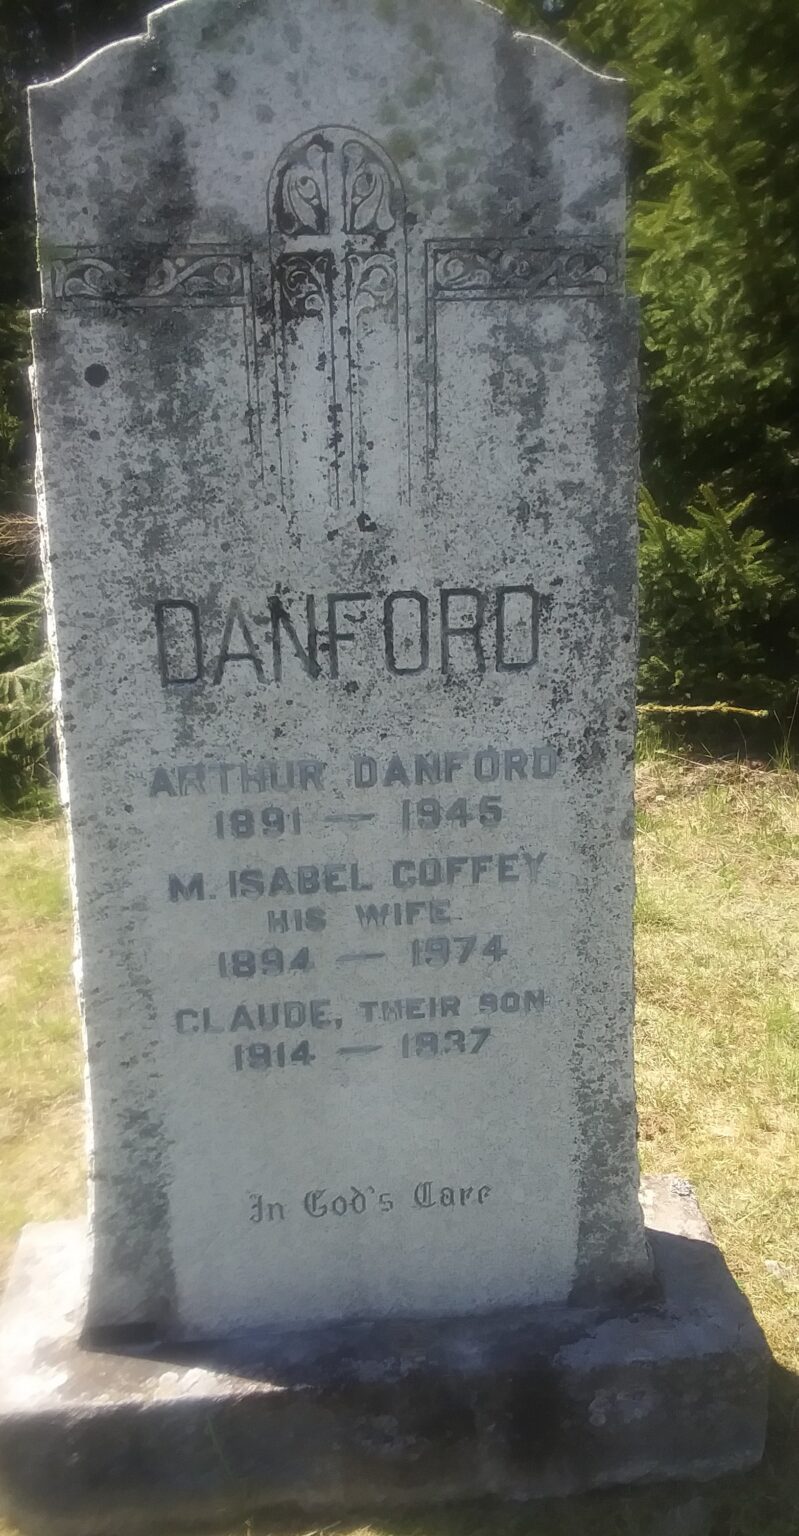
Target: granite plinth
{"points": [[517, 1406]]}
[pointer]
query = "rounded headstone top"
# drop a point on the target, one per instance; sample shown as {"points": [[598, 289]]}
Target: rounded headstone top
{"points": [[172, 136]]}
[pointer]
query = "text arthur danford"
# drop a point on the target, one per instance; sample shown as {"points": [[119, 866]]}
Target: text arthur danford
{"points": [[461, 629]]}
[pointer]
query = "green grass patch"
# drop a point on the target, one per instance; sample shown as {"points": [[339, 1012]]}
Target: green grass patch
{"points": [[40, 1071], [717, 925]]}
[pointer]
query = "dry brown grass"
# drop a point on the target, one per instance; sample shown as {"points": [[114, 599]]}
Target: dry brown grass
{"points": [[718, 1013]]}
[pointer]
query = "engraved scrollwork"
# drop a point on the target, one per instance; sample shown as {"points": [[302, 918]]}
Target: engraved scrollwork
{"points": [[304, 280], [485, 270], [514, 268], [372, 282], [90, 277], [302, 199], [205, 275], [367, 191], [184, 275], [585, 266], [461, 269]]}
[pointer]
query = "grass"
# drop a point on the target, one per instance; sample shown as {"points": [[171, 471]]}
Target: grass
{"points": [[41, 1174], [718, 1074]]}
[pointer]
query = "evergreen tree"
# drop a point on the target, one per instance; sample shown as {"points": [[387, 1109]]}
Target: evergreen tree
{"points": [[715, 258]]}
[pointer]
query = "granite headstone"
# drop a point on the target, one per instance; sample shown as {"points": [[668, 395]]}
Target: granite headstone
{"points": [[336, 387], [335, 379]]}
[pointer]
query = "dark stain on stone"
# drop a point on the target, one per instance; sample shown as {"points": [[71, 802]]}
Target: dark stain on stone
{"points": [[48, 110], [615, 445], [96, 374], [225, 82], [523, 178], [148, 85], [155, 199], [593, 747], [227, 14]]}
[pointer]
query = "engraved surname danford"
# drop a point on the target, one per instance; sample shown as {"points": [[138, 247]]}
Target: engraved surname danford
{"points": [[486, 766], [459, 629]]}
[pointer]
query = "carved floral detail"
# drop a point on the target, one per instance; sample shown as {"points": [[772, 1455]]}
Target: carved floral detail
{"points": [[183, 275], [302, 201], [335, 208], [367, 191], [92, 277], [484, 270], [204, 275], [304, 279], [372, 281]]}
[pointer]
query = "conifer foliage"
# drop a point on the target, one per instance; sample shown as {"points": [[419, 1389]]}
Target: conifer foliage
{"points": [[714, 243]]}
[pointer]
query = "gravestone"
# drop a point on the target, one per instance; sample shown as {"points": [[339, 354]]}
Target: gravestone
{"points": [[335, 383]]}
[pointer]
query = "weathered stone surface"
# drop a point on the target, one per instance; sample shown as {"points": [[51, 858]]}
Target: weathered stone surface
{"points": [[335, 381], [527, 1403], [336, 390]]}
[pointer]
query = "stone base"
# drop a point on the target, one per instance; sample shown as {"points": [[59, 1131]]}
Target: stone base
{"points": [[362, 1416]]}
